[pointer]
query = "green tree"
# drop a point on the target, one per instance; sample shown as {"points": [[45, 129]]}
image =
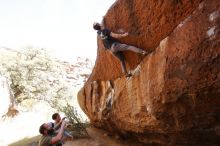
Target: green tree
{"points": [[34, 76]]}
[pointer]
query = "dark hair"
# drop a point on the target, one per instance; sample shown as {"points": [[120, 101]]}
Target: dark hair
{"points": [[54, 116], [96, 26], [42, 129]]}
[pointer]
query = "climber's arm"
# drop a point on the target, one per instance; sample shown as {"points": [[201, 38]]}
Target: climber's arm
{"points": [[114, 35], [118, 36]]}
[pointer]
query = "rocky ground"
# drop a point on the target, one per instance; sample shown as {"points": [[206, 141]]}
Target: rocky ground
{"points": [[101, 138]]}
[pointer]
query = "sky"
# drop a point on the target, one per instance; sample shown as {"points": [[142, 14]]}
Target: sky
{"points": [[63, 27]]}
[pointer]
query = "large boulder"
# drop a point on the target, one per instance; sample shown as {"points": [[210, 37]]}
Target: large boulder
{"points": [[173, 97]]}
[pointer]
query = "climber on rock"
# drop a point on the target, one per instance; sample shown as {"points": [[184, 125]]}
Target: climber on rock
{"points": [[114, 46]]}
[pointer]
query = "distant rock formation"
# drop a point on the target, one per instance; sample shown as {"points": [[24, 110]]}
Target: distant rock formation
{"points": [[173, 97], [77, 72]]}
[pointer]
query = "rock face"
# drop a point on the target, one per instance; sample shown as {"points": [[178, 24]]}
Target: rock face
{"points": [[173, 97]]}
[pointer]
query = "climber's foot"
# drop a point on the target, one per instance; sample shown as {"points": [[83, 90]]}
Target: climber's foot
{"points": [[128, 75]]}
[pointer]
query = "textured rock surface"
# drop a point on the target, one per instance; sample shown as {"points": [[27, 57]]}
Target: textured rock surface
{"points": [[173, 98], [147, 21]]}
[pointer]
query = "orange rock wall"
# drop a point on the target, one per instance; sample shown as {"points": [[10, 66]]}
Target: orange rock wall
{"points": [[173, 98], [147, 21]]}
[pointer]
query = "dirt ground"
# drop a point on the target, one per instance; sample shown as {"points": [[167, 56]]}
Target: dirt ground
{"points": [[100, 138]]}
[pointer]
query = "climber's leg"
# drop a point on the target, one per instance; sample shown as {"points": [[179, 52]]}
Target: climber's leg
{"points": [[116, 47], [121, 58]]}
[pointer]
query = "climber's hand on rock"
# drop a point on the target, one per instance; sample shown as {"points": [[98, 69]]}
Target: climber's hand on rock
{"points": [[125, 34]]}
